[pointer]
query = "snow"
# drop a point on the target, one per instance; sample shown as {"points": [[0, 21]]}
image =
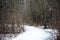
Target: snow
{"points": [[35, 33]]}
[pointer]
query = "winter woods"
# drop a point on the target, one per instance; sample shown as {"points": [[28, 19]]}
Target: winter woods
{"points": [[32, 12]]}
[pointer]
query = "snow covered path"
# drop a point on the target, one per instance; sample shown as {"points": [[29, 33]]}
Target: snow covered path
{"points": [[34, 33]]}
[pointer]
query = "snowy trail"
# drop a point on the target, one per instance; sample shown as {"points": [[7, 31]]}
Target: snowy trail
{"points": [[34, 33]]}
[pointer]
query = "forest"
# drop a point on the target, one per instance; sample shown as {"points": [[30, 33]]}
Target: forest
{"points": [[32, 12], [14, 14]]}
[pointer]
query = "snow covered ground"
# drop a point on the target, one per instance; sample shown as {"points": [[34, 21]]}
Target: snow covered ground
{"points": [[34, 33]]}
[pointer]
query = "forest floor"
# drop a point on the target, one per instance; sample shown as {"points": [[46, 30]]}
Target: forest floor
{"points": [[32, 33]]}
